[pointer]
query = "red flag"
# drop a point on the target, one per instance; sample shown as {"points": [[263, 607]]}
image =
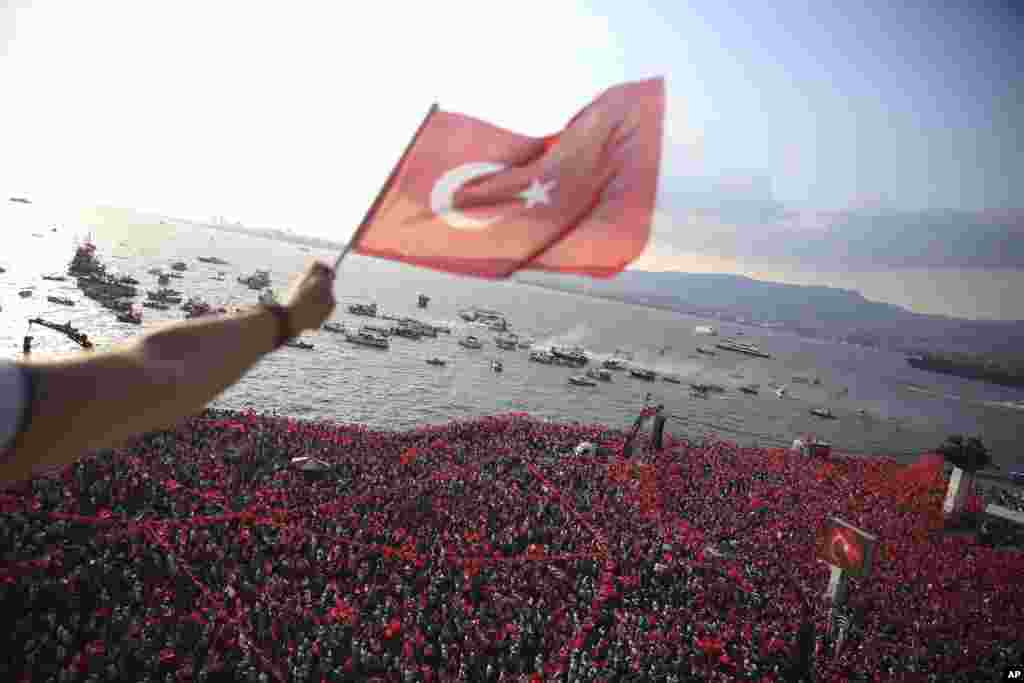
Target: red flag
{"points": [[471, 198]]}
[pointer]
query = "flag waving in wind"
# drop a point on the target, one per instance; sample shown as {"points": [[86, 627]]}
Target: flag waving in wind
{"points": [[471, 198]]}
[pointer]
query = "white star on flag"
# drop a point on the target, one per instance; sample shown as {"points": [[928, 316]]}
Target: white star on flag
{"points": [[537, 193]]}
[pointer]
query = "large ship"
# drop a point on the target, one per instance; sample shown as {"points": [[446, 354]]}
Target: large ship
{"points": [[259, 280], [742, 347], [99, 286]]}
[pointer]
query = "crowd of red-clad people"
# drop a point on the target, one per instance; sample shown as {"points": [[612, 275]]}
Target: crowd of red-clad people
{"points": [[482, 551]]}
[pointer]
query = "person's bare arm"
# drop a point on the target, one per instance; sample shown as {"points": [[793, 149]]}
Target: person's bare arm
{"points": [[99, 400]]}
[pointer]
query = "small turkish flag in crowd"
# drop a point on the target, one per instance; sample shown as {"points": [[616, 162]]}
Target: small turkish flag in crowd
{"points": [[471, 198]]}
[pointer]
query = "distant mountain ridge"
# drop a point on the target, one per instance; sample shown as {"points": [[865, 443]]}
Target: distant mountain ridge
{"points": [[815, 311]]}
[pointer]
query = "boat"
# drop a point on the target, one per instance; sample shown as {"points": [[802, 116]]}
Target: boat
{"points": [[599, 374], [582, 381], [25, 293], [742, 347], [422, 300], [334, 327], [572, 354], [753, 389], [613, 364], [259, 280], [296, 344], [506, 342], [52, 278], [822, 413], [20, 200], [366, 338], [671, 379], [156, 304], [60, 300], [707, 351], [641, 373], [127, 280], [2, 269], [267, 297], [471, 342], [163, 279], [524, 343], [376, 329], [218, 278], [100, 286], [436, 361], [85, 261], [130, 316], [706, 388], [176, 276], [179, 265], [542, 357], [498, 325], [155, 271], [706, 330], [199, 309], [625, 355], [780, 392], [800, 380], [497, 366], [369, 310], [213, 259], [164, 297]]}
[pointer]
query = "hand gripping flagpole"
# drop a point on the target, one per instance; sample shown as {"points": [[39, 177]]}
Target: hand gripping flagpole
{"points": [[383, 190]]}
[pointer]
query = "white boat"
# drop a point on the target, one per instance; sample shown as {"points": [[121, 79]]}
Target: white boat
{"points": [[582, 380], [706, 330], [296, 344], [471, 342], [334, 327], [599, 374], [823, 413], [369, 310]]}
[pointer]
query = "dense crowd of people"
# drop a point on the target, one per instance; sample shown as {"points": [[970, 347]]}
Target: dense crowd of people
{"points": [[259, 548]]}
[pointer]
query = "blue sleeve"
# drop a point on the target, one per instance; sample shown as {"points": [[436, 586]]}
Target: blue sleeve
{"points": [[15, 389]]}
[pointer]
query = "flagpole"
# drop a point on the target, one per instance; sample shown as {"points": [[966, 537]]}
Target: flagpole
{"points": [[383, 190]]}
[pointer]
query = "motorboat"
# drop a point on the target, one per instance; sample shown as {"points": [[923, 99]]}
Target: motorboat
{"points": [[706, 330], [259, 280], [742, 347], [574, 354], [498, 324], [98, 286], [155, 271], [378, 330], [542, 357], [334, 327], [369, 310], [422, 300], [823, 413], [781, 392], [497, 366], [436, 361], [132, 317], [156, 304], [52, 278], [671, 379], [406, 331], [614, 364], [471, 342], [582, 381], [506, 342], [213, 259], [218, 278], [179, 265], [296, 344], [25, 293], [753, 389], [60, 300], [365, 337], [641, 373], [707, 351], [599, 374], [163, 279], [707, 388]]}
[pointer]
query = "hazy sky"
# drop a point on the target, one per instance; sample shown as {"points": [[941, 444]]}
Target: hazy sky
{"points": [[292, 114]]}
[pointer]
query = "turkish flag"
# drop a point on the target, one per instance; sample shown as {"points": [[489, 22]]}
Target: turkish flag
{"points": [[471, 198]]}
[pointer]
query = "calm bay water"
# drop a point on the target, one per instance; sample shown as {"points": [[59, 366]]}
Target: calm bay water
{"points": [[908, 410]]}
